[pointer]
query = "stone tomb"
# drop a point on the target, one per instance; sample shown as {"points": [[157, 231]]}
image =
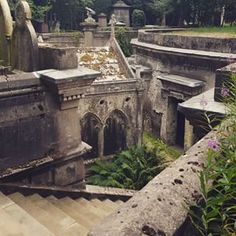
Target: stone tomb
{"points": [[24, 40]]}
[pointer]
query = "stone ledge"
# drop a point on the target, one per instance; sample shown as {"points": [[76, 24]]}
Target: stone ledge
{"points": [[161, 207], [184, 52]]}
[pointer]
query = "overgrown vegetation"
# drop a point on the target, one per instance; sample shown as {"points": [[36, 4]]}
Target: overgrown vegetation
{"points": [[123, 39], [216, 215], [225, 29], [130, 169], [135, 167], [157, 146]]}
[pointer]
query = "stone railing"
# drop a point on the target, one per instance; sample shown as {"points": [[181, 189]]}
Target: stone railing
{"points": [[122, 59], [161, 207]]}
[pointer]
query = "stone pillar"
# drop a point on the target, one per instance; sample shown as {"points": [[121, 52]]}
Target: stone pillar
{"points": [[67, 89], [101, 142], [89, 29], [140, 99], [188, 135], [102, 20]]}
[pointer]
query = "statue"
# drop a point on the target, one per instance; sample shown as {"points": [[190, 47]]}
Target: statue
{"points": [[90, 12], [113, 23]]}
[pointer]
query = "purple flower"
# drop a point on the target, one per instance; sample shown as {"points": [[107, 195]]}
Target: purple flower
{"points": [[224, 92], [213, 145], [203, 102]]}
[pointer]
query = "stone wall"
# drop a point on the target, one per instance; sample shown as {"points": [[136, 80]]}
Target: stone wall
{"points": [[122, 97], [161, 207], [39, 125], [209, 43], [191, 65]]}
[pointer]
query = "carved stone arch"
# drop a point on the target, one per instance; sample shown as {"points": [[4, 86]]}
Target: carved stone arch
{"points": [[115, 132], [90, 129], [6, 27]]}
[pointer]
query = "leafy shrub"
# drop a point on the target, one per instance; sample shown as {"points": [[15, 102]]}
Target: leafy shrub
{"points": [[131, 169], [138, 18], [124, 41], [216, 215]]}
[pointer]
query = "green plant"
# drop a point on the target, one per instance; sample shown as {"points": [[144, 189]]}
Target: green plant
{"points": [[216, 215], [124, 41], [138, 18], [130, 169], [152, 144]]}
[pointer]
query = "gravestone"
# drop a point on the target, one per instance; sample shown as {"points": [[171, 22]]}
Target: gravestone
{"points": [[24, 40], [5, 32]]}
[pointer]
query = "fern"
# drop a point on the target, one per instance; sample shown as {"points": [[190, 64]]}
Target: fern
{"points": [[131, 169]]}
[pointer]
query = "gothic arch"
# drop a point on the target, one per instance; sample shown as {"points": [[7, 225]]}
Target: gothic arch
{"points": [[115, 132], [90, 128]]}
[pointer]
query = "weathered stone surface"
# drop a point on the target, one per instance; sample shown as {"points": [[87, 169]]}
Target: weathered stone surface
{"points": [[161, 207], [5, 32], [24, 40], [193, 41], [61, 58], [222, 83]]}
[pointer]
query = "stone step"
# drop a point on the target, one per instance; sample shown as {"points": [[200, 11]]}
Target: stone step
{"points": [[20, 216], [9, 226], [111, 204], [91, 216], [84, 202], [36, 212], [87, 224], [59, 216], [101, 205]]}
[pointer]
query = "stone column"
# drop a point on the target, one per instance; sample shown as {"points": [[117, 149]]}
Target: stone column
{"points": [[188, 135], [89, 29], [101, 142], [66, 88], [140, 98]]}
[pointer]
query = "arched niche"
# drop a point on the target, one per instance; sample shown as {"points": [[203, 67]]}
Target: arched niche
{"points": [[115, 133], [90, 127]]}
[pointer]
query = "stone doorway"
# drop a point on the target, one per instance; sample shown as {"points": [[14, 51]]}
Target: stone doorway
{"points": [[175, 123], [115, 133]]}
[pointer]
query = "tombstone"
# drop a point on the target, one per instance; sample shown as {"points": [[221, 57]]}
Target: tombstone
{"points": [[5, 32], [24, 40]]}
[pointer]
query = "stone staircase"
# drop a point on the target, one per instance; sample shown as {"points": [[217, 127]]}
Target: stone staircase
{"points": [[34, 215]]}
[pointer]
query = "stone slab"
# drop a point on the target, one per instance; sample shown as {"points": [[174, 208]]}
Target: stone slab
{"points": [[182, 80], [58, 76], [204, 102]]}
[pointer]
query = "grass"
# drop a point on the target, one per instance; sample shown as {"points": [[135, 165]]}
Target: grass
{"points": [[225, 29], [168, 153], [216, 32]]}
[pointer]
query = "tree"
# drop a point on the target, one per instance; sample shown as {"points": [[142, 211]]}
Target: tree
{"points": [[138, 18], [38, 8]]}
